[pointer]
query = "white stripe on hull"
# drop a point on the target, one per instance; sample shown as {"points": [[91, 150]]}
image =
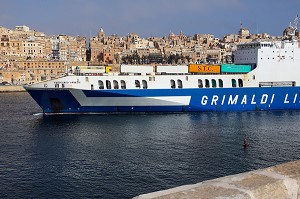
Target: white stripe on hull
{"points": [[130, 101]]}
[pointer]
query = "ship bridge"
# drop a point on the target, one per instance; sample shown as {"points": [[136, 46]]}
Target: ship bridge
{"points": [[267, 51]]}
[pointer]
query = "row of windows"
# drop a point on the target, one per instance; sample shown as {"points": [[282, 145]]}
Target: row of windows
{"points": [[42, 67], [214, 83], [29, 44], [12, 44], [31, 51], [43, 63], [115, 84], [201, 84]]}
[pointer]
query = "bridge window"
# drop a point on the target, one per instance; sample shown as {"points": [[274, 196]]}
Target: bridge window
{"points": [[108, 84], [220, 83], [206, 83], [233, 83], [145, 85], [213, 83], [179, 83], [200, 83], [240, 81], [123, 84], [137, 84], [116, 84], [101, 85], [173, 85]]}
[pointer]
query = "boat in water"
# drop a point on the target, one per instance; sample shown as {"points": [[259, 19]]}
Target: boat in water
{"points": [[265, 75]]}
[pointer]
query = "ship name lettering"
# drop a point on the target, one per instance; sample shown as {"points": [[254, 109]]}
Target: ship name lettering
{"points": [[66, 82], [244, 100], [204, 100], [252, 101], [272, 99], [295, 98], [215, 100], [264, 99], [286, 101], [233, 100], [223, 100], [288, 98]]}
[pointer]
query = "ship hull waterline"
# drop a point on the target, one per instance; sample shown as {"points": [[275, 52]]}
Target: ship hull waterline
{"points": [[166, 100]]}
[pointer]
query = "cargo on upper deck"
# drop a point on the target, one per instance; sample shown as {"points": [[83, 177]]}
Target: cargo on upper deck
{"points": [[90, 70], [204, 68], [217, 69]]}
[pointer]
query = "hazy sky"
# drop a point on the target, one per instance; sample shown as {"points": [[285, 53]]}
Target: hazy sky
{"points": [[149, 17]]}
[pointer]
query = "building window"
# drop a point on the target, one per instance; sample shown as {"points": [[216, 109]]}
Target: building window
{"points": [[179, 83], [213, 83], [145, 85], [151, 78], [240, 81], [116, 84], [100, 84], [200, 83], [123, 84], [173, 85], [206, 83], [220, 83], [108, 84], [233, 83], [137, 84]]}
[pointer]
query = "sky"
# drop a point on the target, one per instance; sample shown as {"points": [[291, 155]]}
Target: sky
{"points": [[149, 18]]}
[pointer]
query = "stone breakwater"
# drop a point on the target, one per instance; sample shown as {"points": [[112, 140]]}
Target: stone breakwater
{"points": [[281, 181], [4, 89]]}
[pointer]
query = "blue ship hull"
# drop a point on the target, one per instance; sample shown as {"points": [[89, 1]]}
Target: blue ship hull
{"points": [[212, 99]]}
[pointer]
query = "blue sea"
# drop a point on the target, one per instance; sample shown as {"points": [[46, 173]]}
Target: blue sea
{"points": [[122, 156]]}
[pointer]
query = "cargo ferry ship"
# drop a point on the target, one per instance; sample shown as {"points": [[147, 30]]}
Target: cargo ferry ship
{"points": [[265, 76]]}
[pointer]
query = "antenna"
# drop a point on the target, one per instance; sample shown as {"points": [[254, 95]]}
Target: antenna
{"points": [[296, 23]]}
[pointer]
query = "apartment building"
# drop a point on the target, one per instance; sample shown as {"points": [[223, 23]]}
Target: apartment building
{"points": [[24, 72]]}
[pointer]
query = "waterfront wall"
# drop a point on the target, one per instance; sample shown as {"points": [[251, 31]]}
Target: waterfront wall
{"points": [[281, 181], [4, 89]]}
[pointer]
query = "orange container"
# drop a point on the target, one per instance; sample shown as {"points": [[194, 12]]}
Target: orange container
{"points": [[203, 68]]}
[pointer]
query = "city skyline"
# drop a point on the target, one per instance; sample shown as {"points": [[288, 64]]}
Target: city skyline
{"points": [[149, 18]]}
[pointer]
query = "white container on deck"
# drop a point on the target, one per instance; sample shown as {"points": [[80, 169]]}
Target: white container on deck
{"points": [[172, 69], [136, 69]]}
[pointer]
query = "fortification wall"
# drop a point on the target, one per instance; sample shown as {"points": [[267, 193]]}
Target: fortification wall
{"points": [[11, 89], [281, 181]]}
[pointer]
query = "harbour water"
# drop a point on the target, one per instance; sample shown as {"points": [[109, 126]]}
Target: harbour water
{"points": [[122, 156]]}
